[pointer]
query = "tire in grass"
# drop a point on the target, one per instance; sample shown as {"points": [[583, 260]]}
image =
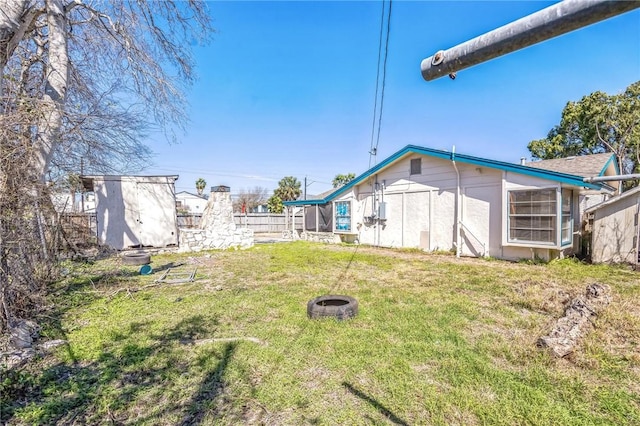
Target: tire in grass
{"points": [[136, 258], [336, 306]]}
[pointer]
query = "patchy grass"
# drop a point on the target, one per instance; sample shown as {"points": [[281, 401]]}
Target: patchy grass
{"points": [[438, 340]]}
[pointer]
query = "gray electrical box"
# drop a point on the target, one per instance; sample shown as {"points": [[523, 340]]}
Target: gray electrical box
{"points": [[382, 211]]}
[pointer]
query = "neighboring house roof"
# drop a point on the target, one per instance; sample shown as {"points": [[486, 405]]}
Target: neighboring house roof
{"points": [[323, 194], [191, 194], [87, 180], [615, 199], [571, 179], [581, 165]]}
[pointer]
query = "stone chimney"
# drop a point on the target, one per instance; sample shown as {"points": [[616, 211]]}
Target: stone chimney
{"points": [[218, 213], [217, 228]]}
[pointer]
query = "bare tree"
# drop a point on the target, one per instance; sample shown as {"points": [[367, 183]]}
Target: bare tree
{"points": [[250, 198], [82, 81]]}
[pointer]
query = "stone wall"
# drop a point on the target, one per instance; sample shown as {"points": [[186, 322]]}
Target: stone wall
{"points": [[321, 237], [217, 228]]}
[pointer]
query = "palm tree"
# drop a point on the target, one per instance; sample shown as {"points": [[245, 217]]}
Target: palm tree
{"points": [[200, 185], [288, 188], [341, 179]]}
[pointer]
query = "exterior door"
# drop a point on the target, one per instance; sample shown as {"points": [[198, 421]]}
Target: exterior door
{"points": [[156, 214]]}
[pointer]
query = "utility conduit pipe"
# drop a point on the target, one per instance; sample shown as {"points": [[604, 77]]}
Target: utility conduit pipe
{"points": [[458, 199]]}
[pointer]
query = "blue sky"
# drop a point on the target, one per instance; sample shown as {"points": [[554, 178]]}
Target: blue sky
{"points": [[288, 88]]}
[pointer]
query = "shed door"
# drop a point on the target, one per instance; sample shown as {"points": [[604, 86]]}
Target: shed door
{"points": [[156, 214]]}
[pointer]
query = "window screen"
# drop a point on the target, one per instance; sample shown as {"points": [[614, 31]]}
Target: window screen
{"points": [[343, 216], [533, 216], [416, 166]]}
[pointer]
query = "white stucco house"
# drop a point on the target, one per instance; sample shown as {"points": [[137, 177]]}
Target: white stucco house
{"points": [[615, 232], [437, 200], [193, 203], [134, 211]]}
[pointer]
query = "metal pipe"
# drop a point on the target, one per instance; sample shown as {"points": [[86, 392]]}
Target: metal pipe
{"points": [[458, 201], [547, 23], [610, 178]]}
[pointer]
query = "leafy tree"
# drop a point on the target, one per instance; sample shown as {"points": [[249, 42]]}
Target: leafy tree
{"points": [[251, 198], [341, 179], [274, 204], [288, 190], [201, 184], [597, 123]]}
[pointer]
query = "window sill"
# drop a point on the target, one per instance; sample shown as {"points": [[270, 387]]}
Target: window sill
{"points": [[531, 244]]}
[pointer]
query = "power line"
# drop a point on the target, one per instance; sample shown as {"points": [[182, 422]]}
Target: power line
{"points": [[268, 177], [375, 101], [374, 148], [384, 76]]}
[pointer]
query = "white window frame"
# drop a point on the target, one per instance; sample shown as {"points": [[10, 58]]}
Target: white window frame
{"points": [[569, 196], [558, 242], [336, 229]]}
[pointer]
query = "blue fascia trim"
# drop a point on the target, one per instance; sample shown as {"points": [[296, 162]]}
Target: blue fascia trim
{"points": [[615, 163], [461, 158], [303, 202]]}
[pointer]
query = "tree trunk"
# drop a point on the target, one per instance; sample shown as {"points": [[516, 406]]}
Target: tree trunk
{"points": [[12, 11], [55, 92], [577, 320], [15, 20]]}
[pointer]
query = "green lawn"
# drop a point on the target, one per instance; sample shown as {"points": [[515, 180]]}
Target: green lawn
{"points": [[438, 340]]}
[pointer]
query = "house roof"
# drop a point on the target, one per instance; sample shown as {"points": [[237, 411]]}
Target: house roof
{"points": [[87, 180], [323, 194], [567, 178], [615, 199], [581, 165]]}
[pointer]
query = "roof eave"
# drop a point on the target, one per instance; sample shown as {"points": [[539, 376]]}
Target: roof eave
{"points": [[462, 158], [606, 166]]}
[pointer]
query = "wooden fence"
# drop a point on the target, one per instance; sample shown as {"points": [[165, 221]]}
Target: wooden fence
{"points": [[258, 222], [79, 228]]}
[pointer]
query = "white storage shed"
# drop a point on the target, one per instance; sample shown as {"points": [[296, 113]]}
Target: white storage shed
{"points": [[135, 211]]}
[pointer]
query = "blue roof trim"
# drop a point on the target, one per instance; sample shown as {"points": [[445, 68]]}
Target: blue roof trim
{"points": [[460, 158], [615, 163]]}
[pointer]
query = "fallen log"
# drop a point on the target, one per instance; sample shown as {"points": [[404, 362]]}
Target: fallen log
{"points": [[577, 320]]}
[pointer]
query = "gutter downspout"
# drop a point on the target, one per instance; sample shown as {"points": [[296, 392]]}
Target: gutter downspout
{"points": [[374, 208], [453, 161]]}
